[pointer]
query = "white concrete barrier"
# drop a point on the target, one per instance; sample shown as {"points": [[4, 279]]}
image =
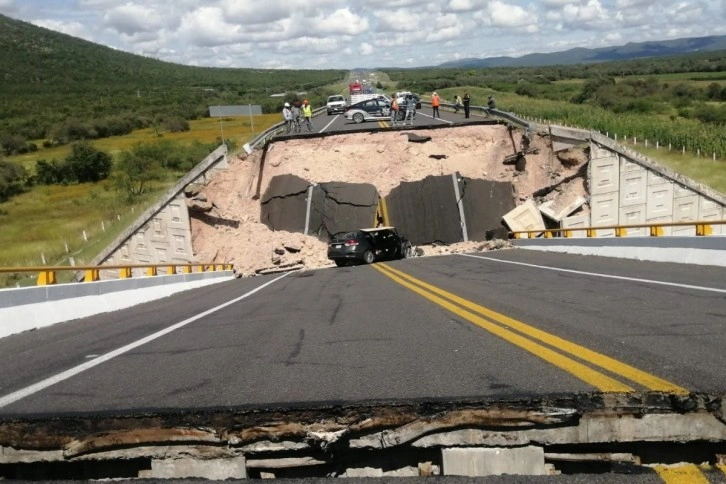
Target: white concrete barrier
{"points": [[23, 309], [709, 251]]}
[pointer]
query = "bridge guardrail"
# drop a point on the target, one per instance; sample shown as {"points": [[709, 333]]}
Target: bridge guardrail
{"points": [[263, 137], [489, 111], [703, 228], [47, 275]]}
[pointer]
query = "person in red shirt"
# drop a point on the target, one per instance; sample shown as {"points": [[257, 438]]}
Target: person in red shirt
{"points": [[435, 102]]}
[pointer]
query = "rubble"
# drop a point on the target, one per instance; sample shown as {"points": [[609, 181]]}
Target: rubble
{"points": [[231, 231]]}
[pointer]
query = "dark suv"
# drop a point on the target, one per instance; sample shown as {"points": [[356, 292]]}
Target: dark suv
{"points": [[368, 245]]}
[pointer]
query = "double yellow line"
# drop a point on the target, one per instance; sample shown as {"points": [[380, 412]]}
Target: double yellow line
{"points": [[551, 348]]}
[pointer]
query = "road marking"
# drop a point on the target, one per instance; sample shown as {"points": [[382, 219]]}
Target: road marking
{"points": [[41, 385], [681, 474], [583, 372], [438, 119], [509, 325], [328, 125], [607, 276], [384, 210]]}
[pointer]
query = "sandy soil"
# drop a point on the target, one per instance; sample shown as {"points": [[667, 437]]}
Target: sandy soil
{"points": [[232, 232]]}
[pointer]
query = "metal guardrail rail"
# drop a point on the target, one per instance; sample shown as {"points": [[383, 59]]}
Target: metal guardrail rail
{"points": [[703, 228], [263, 137], [47, 275]]}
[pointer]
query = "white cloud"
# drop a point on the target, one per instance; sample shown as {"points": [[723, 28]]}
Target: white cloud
{"points": [[131, 19], [347, 33], [507, 15], [75, 29], [366, 49]]}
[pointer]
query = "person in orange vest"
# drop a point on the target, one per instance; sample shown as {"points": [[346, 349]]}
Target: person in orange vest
{"points": [[435, 102], [394, 110]]}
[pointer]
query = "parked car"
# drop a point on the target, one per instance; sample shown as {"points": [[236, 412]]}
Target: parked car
{"points": [[335, 104], [368, 246], [372, 109]]}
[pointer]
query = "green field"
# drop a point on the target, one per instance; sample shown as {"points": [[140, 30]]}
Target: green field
{"points": [[50, 220]]}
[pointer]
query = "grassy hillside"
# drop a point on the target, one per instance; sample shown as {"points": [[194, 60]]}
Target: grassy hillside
{"points": [[47, 78]]}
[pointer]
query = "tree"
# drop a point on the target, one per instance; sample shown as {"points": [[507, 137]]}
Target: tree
{"points": [[13, 179], [135, 169], [88, 164], [12, 144]]}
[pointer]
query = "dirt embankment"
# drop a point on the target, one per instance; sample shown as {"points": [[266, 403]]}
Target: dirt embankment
{"points": [[231, 230]]}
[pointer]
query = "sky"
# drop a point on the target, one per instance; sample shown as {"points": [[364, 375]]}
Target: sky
{"points": [[347, 34]]}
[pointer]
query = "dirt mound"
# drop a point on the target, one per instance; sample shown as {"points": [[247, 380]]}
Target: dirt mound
{"points": [[232, 232]]}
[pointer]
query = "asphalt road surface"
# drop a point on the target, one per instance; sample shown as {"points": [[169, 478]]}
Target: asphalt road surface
{"points": [[502, 324], [324, 123]]}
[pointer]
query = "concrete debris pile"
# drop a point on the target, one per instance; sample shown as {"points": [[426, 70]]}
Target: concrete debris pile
{"points": [[227, 223]]}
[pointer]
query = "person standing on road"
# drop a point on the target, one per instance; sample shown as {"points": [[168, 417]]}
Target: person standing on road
{"points": [[435, 102], [394, 110], [287, 116], [410, 109], [295, 110], [457, 103], [466, 101], [307, 110]]}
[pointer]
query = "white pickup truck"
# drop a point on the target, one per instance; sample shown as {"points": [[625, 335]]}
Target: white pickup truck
{"points": [[336, 104]]}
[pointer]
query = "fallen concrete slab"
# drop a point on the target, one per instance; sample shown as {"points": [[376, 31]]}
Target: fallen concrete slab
{"points": [[525, 217], [556, 210]]}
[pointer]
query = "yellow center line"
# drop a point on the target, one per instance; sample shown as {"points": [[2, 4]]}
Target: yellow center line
{"points": [[681, 474], [585, 373], [384, 210], [633, 374]]}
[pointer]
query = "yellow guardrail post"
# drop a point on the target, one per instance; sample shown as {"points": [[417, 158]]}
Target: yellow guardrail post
{"points": [[704, 229], [621, 232], [125, 273], [151, 271], [548, 234], [92, 275], [656, 231], [46, 278], [591, 233], [171, 270], [187, 269], [567, 234]]}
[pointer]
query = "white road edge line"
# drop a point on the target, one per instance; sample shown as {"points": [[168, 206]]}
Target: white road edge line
{"points": [[607, 276], [328, 125], [41, 385], [438, 119]]}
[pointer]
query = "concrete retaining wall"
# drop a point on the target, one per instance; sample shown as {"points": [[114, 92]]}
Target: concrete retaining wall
{"points": [[629, 188], [162, 234]]}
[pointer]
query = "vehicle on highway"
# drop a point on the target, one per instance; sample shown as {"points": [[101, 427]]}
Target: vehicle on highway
{"points": [[368, 246], [402, 96], [372, 109], [336, 104]]}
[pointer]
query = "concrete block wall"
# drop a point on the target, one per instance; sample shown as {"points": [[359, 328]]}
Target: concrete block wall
{"points": [[165, 238], [629, 188], [163, 232]]}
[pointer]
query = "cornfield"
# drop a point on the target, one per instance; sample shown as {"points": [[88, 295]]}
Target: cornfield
{"points": [[694, 136]]}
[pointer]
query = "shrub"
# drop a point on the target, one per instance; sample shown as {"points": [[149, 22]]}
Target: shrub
{"points": [[88, 164], [176, 124], [13, 179]]}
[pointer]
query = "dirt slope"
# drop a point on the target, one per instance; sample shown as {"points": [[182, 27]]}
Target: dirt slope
{"points": [[231, 230]]}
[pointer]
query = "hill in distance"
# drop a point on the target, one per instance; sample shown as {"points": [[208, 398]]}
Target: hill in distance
{"points": [[632, 50]]}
